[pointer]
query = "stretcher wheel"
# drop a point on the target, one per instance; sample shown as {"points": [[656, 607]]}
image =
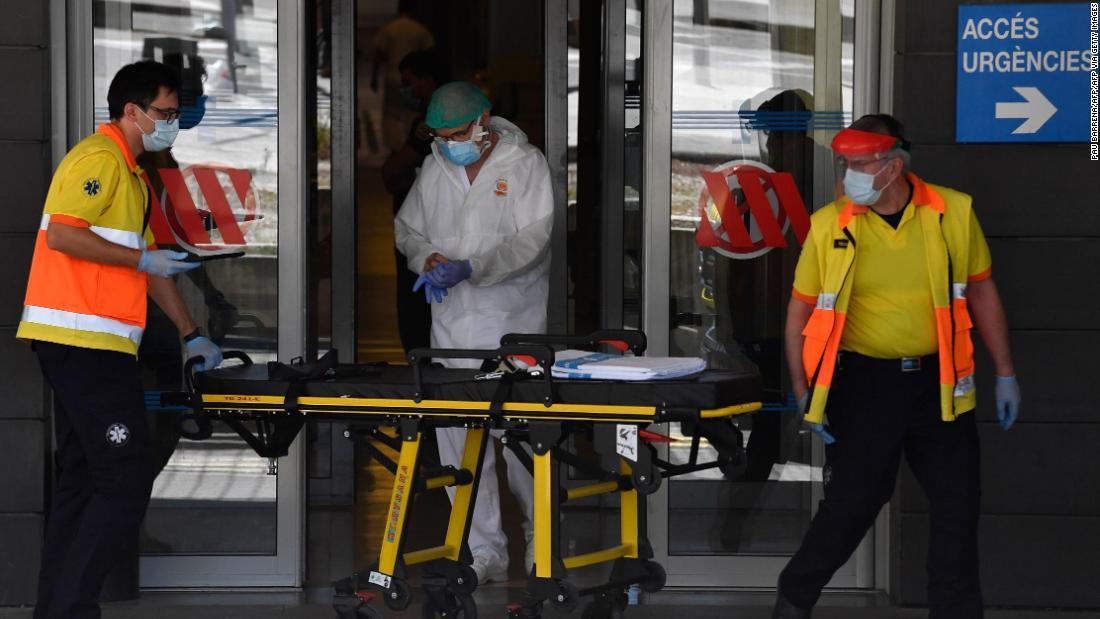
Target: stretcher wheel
{"points": [[457, 607], [398, 597], [466, 581], [567, 598], [608, 604], [655, 577], [648, 480]]}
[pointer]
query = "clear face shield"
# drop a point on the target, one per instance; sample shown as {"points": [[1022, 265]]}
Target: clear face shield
{"points": [[867, 164]]}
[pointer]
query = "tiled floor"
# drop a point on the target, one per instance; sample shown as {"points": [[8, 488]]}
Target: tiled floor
{"points": [[492, 600]]}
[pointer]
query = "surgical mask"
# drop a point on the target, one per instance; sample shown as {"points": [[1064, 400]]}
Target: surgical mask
{"points": [[468, 151], [163, 134], [191, 115], [860, 186]]}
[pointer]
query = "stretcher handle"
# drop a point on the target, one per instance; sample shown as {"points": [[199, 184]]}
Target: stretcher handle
{"points": [[189, 367], [196, 425], [621, 339], [540, 354]]}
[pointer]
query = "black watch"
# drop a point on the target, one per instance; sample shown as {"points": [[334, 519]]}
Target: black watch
{"points": [[192, 335]]}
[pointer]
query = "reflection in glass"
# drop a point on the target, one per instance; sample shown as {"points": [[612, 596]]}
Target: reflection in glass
{"points": [[633, 220], [320, 182], [744, 112], [218, 191]]}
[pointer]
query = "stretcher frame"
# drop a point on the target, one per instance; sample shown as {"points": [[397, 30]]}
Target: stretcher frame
{"points": [[448, 579]]}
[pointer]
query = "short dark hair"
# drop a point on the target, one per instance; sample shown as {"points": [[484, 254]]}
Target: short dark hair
{"points": [[422, 63], [139, 83], [884, 124]]}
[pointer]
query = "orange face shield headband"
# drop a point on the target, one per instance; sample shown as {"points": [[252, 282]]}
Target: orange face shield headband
{"points": [[857, 148]]}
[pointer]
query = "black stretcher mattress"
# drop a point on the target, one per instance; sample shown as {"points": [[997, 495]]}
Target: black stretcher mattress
{"points": [[711, 389]]}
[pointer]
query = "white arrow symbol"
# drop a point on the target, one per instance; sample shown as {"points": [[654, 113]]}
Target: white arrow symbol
{"points": [[1036, 108]]}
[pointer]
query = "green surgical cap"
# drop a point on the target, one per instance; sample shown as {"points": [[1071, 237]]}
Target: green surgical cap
{"points": [[455, 104]]}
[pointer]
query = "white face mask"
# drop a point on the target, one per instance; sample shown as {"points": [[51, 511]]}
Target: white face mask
{"points": [[860, 186]]}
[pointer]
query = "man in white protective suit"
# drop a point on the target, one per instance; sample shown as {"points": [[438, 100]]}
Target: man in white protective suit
{"points": [[476, 226]]}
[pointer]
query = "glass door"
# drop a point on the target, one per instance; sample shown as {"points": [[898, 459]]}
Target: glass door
{"points": [[757, 91], [219, 515]]}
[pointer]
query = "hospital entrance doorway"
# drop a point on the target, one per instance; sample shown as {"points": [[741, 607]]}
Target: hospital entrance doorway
{"points": [[497, 45]]}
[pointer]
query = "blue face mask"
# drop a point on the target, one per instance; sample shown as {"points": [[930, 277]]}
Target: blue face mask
{"points": [[191, 115], [860, 186], [461, 153], [468, 151], [163, 135]]}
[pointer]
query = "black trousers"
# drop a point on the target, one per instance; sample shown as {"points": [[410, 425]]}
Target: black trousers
{"points": [[104, 475], [876, 411]]}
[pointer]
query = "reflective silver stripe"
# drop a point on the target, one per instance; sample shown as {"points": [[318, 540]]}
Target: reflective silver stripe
{"points": [[133, 240], [959, 290], [826, 301], [964, 386], [81, 322], [125, 238]]}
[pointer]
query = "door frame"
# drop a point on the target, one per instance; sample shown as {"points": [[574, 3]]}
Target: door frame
{"points": [[556, 105]]}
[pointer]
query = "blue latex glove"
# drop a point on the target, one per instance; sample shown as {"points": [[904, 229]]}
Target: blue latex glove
{"points": [[209, 351], [819, 429], [164, 262], [449, 274], [431, 291], [1008, 400]]}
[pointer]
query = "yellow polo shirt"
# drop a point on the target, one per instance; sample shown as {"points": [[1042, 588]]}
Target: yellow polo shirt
{"points": [[98, 186], [890, 313]]}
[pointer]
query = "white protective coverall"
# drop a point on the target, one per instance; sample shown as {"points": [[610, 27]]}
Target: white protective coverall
{"points": [[501, 223]]}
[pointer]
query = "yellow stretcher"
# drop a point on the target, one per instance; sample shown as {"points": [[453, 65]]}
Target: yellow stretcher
{"points": [[267, 405]]}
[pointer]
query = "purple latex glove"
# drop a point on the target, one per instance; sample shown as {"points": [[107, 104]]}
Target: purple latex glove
{"points": [[431, 291], [450, 274]]}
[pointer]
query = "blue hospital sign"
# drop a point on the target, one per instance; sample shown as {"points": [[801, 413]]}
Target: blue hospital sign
{"points": [[1024, 73]]}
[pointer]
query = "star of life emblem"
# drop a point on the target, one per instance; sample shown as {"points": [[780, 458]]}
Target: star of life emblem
{"points": [[118, 435], [92, 187]]}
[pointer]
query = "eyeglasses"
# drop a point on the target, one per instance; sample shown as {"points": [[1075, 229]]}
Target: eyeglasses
{"points": [[169, 115], [864, 162], [458, 136]]}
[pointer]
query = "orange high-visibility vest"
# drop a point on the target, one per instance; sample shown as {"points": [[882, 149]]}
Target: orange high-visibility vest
{"points": [[78, 302], [945, 219]]}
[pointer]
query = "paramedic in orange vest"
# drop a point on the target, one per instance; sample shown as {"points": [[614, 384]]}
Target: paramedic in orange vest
{"points": [[94, 265], [879, 348]]}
